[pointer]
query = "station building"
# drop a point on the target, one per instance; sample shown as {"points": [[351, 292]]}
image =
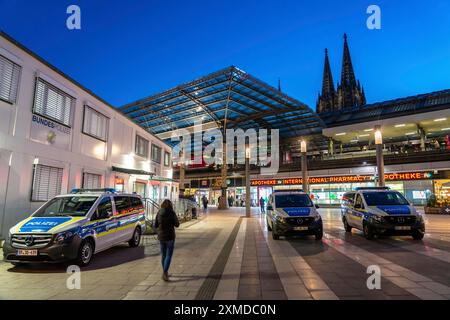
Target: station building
{"points": [[56, 135], [339, 135]]}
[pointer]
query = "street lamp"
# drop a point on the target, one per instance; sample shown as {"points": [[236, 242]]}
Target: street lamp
{"points": [[380, 158], [304, 166], [247, 183]]}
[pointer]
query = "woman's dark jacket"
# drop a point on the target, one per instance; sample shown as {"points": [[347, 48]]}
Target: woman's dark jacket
{"points": [[166, 221]]}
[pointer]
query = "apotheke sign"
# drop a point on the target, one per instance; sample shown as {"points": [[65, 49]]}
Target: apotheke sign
{"points": [[404, 176]]}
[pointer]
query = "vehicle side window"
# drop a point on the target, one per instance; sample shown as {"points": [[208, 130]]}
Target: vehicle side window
{"points": [[358, 202], [123, 204], [104, 209], [136, 203]]}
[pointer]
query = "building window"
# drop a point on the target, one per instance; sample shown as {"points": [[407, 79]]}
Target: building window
{"points": [[9, 80], [156, 153], [166, 158], [141, 148], [92, 181], [46, 183], [53, 103], [95, 124]]}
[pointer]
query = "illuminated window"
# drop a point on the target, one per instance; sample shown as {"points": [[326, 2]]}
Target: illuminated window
{"points": [[52, 102], [141, 148], [95, 124]]}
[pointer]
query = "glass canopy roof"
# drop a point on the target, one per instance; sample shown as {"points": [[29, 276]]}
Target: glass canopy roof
{"points": [[229, 98]]}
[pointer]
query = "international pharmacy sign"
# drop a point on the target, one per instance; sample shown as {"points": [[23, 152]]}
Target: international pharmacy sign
{"points": [[403, 176]]}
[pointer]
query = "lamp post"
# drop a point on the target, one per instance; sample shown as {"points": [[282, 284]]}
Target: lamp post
{"points": [[182, 174], [304, 166], [380, 158], [247, 183]]}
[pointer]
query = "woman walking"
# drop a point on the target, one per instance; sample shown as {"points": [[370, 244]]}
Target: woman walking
{"points": [[166, 221]]}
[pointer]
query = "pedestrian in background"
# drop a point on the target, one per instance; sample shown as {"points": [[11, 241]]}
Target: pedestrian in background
{"points": [[262, 202], [166, 221], [205, 203]]}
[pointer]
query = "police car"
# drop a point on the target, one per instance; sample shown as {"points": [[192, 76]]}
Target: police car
{"points": [[381, 211], [75, 226], [292, 212]]}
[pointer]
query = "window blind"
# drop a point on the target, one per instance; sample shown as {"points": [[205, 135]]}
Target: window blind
{"points": [[92, 181], [95, 124], [52, 102], [141, 148], [9, 80], [47, 182]]}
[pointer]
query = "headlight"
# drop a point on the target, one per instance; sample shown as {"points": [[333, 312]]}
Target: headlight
{"points": [[378, 219], [63, 236], [280, 219], [316, 216]]}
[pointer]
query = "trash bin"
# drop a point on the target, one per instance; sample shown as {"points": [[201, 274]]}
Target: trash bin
{"points": [[194, 213]]}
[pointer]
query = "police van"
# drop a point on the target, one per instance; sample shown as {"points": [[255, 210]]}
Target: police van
{"points": [[291, 212], [381, 211], [76, 226]]}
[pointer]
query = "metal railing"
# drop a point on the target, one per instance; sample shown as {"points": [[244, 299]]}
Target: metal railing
{"points": [[182, 207]]}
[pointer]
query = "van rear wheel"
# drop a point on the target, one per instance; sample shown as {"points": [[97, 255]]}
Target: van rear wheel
{"points": [[136, 239]]}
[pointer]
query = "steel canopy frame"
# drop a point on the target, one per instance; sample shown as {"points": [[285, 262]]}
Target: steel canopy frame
{"points": [[229, 97]]}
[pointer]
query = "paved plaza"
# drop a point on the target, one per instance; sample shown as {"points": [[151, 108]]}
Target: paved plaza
{"points": [[227, 256]]}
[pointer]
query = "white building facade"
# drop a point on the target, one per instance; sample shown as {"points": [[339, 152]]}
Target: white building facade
{"points": [[55, 135]]}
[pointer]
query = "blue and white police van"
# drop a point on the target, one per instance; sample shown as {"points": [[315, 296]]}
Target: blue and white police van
{"points": [[381, 211], [291, 212], [76, 226]]}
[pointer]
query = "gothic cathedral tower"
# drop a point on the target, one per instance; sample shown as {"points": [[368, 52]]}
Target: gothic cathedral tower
{"points": [[349, 92]]}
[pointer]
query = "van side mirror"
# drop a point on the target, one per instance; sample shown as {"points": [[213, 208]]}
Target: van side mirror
{"points": [[102, 215], [269, 207], [317, 206]]}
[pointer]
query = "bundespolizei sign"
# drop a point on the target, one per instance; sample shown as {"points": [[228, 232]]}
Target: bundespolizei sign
{"points": [[49, 132]]}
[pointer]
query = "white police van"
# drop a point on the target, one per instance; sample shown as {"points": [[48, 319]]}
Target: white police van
{"points": [[75, 226], [381, 211], [291, 212]]}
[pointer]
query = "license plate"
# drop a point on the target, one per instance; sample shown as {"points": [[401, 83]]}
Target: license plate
{"points": [[27, 253], [402, 228], [300, 228]]}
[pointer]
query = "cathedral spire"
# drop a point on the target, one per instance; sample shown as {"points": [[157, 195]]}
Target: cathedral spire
{"points": [[327, 82], [347, 74], [326, 99]]}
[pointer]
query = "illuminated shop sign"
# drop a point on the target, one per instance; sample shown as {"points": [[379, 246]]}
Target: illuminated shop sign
{"points": [[404, 176]]}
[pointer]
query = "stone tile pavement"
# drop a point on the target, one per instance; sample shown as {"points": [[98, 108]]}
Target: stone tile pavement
{"points": [[225, 256]]}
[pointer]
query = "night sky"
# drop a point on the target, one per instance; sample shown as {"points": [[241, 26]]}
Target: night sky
{"points": [[127, 50]]}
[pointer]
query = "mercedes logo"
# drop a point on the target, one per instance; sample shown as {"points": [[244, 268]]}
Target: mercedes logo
{"points": [[29, 240], [300, 221], [401, 220]]}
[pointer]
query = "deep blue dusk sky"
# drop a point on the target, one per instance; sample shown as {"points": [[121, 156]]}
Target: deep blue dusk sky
{"points": [[127, 50]]}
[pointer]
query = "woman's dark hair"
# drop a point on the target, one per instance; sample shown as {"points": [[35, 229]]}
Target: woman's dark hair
{"points": [[167, 204]]}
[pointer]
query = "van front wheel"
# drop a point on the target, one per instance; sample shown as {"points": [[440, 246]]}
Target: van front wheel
{"points": [[136, 239], [85, 253]]}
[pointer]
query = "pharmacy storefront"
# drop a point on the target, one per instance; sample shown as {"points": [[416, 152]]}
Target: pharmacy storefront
{"points": [[328, 190]]}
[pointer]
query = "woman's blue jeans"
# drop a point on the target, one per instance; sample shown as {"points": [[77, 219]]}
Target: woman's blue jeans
{"points": [[166, 253]]}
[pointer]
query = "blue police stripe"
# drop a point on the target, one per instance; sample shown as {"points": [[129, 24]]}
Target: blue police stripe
{"points": [[395, 209], [43, 224], [297, 212]]}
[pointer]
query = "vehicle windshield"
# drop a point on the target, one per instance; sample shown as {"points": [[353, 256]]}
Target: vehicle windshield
{"points": [[66, 206], [384, 199], [293, 201]]}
